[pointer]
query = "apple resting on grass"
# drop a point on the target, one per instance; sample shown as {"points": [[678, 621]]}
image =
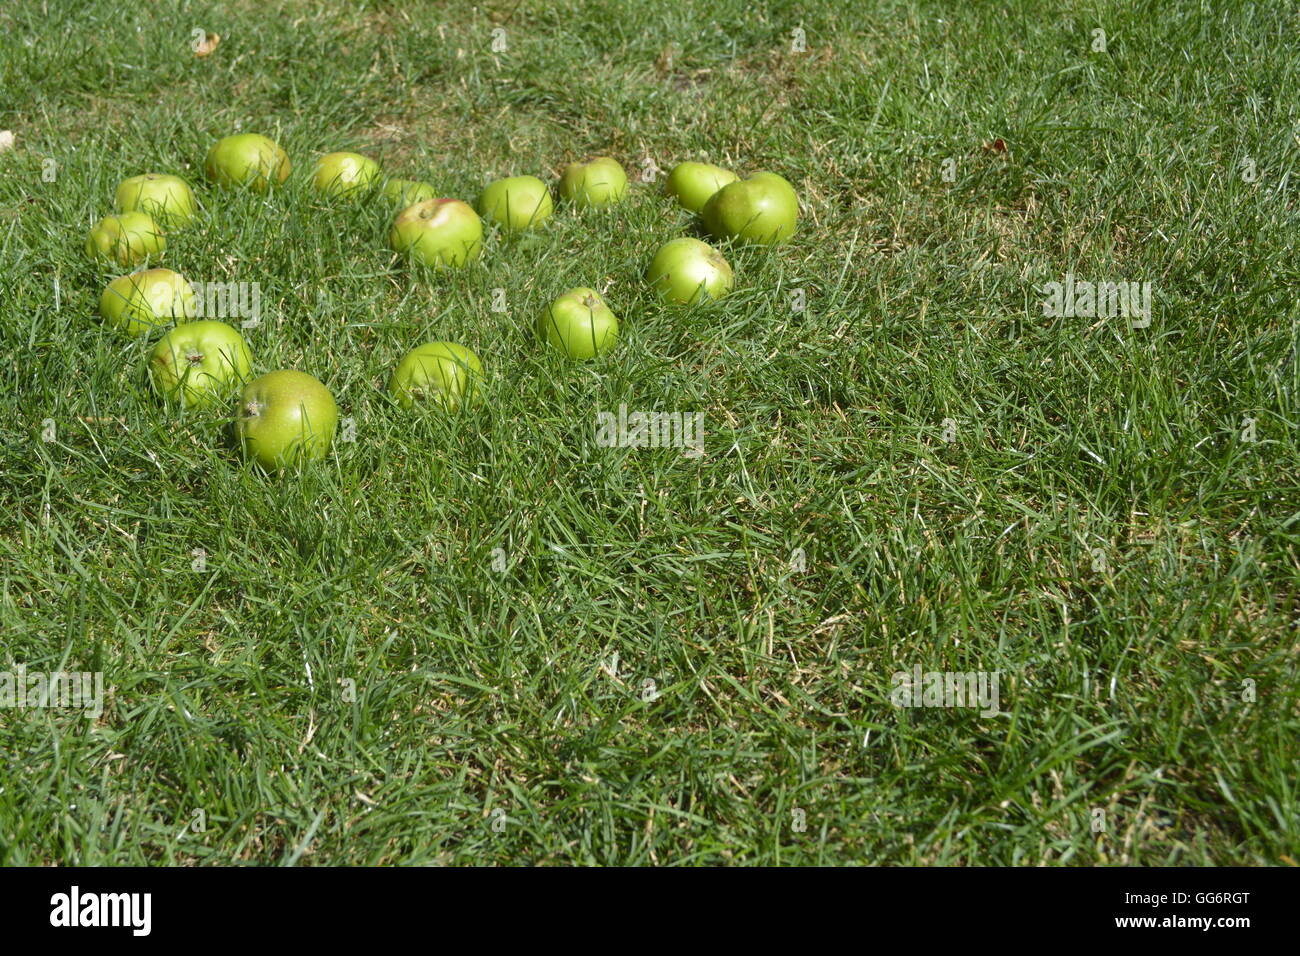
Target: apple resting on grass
{"points": [[579, 324], [407, 192], [247, 160], [692, 184], [601, 182], [143, 301], [441, 232], [168, 199], [517, 203], [286, 417], [762, 209], [127, 239], [440, 372], [198, 362], [344, 174], [689, 271]]}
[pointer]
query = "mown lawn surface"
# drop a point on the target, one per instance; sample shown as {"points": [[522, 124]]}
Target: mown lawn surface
{"points": [[670, 660]]}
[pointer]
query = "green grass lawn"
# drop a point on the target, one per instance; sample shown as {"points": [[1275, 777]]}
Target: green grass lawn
{"points": [[485, 638]]}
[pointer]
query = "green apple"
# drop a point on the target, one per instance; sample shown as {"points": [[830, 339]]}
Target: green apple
{"points": [[143, 301], [762, 209], [691, 184], [286, 417], [441, 232], [407, 192], [579, 324], [127, 239], [517, 203], [601, 182], [198, 362], [247, 159], [689, 271], [168, 199], [441, 372], [344, 175]]}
